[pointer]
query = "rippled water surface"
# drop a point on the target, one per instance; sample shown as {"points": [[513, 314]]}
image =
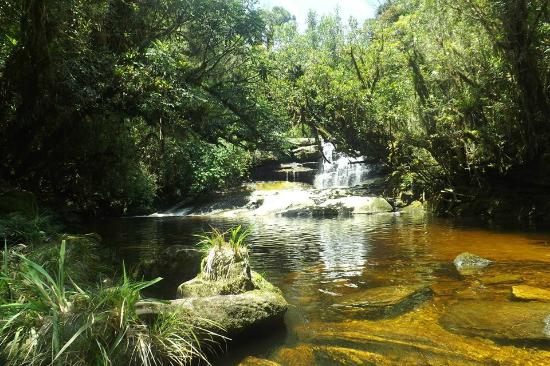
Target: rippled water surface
{"points": [[322, 264]]}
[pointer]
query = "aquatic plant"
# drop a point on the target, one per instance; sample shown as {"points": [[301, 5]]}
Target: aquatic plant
{"points": [[47, 319]]}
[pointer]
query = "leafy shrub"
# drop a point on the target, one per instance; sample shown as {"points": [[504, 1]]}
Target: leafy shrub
{"points": [[219, 166]]}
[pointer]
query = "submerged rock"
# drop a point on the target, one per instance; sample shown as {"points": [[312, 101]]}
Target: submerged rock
{"points": [[529, 293], [255, 361], [312, 354], [468, 263], [501, 279], [509, 321], [387, 301], [416, 338]]}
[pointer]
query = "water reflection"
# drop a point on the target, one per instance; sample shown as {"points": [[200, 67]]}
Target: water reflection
{"points": [[321, 263], [343, 253]]}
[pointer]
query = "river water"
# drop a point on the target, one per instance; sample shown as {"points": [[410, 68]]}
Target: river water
{"points": [[320, 264]]}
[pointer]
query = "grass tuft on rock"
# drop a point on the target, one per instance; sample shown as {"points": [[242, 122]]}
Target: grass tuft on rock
{"points": [[223, 249]]}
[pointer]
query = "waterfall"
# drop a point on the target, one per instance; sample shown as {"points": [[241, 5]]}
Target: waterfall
{"points": [[340, 170]]}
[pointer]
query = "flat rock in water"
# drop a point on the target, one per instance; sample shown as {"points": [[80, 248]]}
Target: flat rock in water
{"points": [[500, 320], [312, 354], [529, 293], [468, 263], [255, 361], [387, 301], [501, 279]]}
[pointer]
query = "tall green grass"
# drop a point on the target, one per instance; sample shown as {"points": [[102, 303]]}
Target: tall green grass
{"points": [[222, 250], [47, 319], [233, 239]]}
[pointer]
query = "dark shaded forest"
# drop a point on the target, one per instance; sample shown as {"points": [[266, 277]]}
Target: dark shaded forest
{"points": [[122, 106]]}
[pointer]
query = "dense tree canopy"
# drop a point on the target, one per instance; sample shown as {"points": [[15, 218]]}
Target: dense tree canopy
{"points": [[118, 104], [445, 93], [111, 105]]}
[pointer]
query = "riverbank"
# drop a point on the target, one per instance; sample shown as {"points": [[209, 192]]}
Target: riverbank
{"points": [[89, 307]]}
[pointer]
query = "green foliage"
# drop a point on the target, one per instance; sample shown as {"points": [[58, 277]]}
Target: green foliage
{"points": [[120, 105], [218, 167], [117, 102], [17, 228], [442, 98], [47, 319], [233, 239]]}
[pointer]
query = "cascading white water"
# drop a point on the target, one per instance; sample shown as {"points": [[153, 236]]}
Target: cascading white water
{"points": [[340, 170]]}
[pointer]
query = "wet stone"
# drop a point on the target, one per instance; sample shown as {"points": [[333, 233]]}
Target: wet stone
{"points": [[255, 361], [311, 354], [529, 293], [500, 320], [468, 263], [501, 279], [385, 302]]}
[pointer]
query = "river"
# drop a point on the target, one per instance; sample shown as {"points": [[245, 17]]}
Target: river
{"points": [[320, 264]]}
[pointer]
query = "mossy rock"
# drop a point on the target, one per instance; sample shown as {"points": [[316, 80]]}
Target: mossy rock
{"points": [[414, 208], [222, 273], [235, 314], [228, 314]]}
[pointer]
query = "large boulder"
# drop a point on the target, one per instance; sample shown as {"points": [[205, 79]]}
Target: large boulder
{"points": [[301, 141], [386, 301], [228, 294], [313, 211], [500, 320], [237, 313], [415, 208], [334, 204]]}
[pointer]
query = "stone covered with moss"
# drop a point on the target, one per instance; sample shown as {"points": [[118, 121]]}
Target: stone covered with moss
{"points": [[228, 294]]}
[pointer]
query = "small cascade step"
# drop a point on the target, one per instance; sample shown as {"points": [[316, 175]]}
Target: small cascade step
{"points": [[340, 170]]}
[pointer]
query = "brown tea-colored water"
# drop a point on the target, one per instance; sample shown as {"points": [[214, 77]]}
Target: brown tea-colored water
{"points": [[323, 264]]}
